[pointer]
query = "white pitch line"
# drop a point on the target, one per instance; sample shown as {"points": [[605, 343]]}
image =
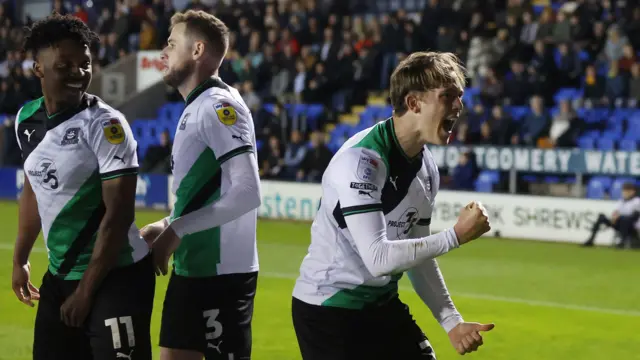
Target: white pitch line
{"points": [[488, 297]]}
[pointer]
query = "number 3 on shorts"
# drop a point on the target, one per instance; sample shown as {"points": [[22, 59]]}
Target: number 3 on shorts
{"points": [[212, 323]]}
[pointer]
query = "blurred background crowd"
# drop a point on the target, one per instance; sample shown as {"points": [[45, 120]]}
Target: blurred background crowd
{"points": [[535, 68]]}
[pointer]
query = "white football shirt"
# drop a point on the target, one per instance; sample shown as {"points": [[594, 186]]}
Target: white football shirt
{"points": [[215, 126], [66, 157]]}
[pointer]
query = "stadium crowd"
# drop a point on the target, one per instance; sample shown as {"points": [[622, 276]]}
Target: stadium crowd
{"points": [[516, 54]]}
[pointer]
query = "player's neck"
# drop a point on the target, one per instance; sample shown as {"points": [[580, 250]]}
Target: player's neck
{"points": [[53, 108], [408, 137], [193, 81]]}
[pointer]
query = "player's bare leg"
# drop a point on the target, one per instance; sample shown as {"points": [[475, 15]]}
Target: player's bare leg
{"points": [[179, 354]]}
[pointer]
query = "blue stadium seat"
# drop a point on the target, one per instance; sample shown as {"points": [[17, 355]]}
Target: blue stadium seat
{"points": [[594, 134], [269, 107], [517, 112], [165, 112], [489, 176], [605, 143], [586, 143], [596, 188], [566, 94], [483, 186], [627, 145], [616, 187], [551, 180], [595, 192], [314, 111]]}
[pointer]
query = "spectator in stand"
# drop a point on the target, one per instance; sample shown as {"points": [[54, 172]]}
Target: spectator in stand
{"points": [[501, 126], [316, 160], [594, 86], [565, 127], [272, 159], [535, 124], [465, 173], [158, 157], [616, 84], [634, 85], [294, 154]]}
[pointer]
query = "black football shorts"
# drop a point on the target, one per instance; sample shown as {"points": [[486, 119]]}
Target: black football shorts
{"points": [[211, 315]]}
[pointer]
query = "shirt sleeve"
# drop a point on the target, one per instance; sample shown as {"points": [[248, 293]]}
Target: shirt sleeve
{"points": [[225, 126], [15, 124], [428, 282], [363, 214], [359, 176], [112, 142], [241, 197]]}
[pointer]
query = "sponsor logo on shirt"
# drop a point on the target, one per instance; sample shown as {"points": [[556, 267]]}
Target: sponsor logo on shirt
{"points": [[226, 113], [363, 186], [405, 223], [367, 168], [113, 131], [71, 136], [45, 173]]}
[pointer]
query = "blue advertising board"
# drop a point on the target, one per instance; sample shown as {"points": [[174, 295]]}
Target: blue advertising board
{"points": [[533, 160]]}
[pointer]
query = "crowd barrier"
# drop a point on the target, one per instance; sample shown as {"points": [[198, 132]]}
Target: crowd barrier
{"points": [[512, 216]]}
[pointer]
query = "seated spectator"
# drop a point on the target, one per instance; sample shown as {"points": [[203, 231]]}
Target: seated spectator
{"points": [[616, 86], [565, 127], [272, 160], [294, 154], [628, 58], [501, 126], [466, 172], [316, 160], [634, 85], [250, 97], [594, 86], [624, 219], [535, 124], [516, 87], [491, 88], [158, 157]]}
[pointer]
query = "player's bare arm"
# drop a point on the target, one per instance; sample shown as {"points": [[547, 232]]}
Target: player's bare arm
{"points": [[119, 200], [29, 226]]}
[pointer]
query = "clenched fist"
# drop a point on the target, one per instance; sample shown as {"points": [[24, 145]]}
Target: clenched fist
{"points": [[473, 222]]}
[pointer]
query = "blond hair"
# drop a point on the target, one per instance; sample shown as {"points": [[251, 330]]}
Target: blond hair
{"points": [[213, 31], [424, 71]]}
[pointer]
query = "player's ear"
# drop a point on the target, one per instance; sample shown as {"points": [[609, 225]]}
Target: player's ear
{"points": [[37, 69], [412, 102], [198, 49]]}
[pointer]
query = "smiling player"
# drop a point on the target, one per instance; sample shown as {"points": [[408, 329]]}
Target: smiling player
{"points": [[373, 224], [80, 169]]}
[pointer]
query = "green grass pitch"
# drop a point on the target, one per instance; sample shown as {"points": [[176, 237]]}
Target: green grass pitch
{"points": [[548, 301]]}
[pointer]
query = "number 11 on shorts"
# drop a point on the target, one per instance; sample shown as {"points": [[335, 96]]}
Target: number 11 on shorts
{"points": [[115, 331]]}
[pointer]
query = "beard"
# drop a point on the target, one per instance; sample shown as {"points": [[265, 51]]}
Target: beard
{"points": [[176, 77]]}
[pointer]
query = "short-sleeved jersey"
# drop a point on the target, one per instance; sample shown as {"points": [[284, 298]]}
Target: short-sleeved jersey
{"points": [[369, 173], [215, 126], [66, 157], [629, 207]]}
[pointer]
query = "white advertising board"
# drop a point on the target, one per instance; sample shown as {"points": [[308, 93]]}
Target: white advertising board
{"points": [[512, 216], [149, 69]]}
